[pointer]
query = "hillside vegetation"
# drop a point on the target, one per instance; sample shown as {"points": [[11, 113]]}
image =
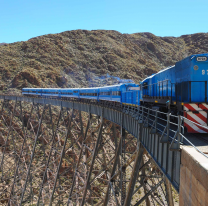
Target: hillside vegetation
{"points": [[83, 58]]}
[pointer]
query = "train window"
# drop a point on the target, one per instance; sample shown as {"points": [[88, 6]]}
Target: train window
{"points": [[145, 85], [75, 91], [67, 93], [116, 93], [88, 94], [104, 93]]}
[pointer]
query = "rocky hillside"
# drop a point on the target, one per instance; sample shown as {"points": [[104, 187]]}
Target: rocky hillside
{"points": [[89, 58]]}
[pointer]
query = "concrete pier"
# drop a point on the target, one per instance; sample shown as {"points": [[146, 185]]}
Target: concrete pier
{"points": [[193, 178]]}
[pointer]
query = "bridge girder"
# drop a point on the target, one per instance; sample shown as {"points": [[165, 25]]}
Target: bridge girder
{"points": [[53, 155]]}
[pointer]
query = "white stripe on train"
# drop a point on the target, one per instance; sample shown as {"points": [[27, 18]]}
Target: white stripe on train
{"points": [[197, 119], [194, 127], [195, 107], [205, 105]]}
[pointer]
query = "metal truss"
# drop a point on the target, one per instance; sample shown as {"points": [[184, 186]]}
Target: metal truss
{"points": [[52, 155]]}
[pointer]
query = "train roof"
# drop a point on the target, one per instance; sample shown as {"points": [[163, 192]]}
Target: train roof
{"points": [[148, 77], [157, 73], [191, 56], [170, 67], [203, 54], [116, 85], [194, 55]]}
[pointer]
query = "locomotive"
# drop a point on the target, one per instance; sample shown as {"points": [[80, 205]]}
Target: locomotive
{"points": [[179, 89], [184, 88]]}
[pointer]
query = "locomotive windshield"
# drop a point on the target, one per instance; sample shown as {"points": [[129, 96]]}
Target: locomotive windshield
{"points": [[145, 85]]}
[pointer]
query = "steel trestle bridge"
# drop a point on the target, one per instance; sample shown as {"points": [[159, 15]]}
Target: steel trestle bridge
{"points": [[58, 152]]}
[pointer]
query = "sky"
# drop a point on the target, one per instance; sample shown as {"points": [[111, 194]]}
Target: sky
{"points": [[21, 20]]}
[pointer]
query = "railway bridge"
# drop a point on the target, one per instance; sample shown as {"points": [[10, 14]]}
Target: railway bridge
{"points": [[58, 152]]}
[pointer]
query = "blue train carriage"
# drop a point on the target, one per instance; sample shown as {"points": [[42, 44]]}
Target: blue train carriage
{"points": [[68, 93], [50, 92], [89, 93], [191, 91], [131, 94], [158, 88], [110, 93], [32, 91], [59, 93], [113, 93]]}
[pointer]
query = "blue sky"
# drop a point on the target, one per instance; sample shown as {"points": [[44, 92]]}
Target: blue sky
{"points": [[21, 20]]}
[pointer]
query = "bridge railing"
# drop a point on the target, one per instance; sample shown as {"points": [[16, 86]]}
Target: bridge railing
{"points": [[170, 127]]}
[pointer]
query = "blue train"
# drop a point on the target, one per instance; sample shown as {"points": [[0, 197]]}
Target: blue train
{"points": [[181, 88], [122, 93]]}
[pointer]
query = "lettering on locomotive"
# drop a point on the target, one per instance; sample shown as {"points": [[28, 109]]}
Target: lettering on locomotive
{"points": [[201, 59]]}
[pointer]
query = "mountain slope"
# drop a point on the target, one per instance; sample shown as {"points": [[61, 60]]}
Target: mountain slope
{"points": [[89, 58]]}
